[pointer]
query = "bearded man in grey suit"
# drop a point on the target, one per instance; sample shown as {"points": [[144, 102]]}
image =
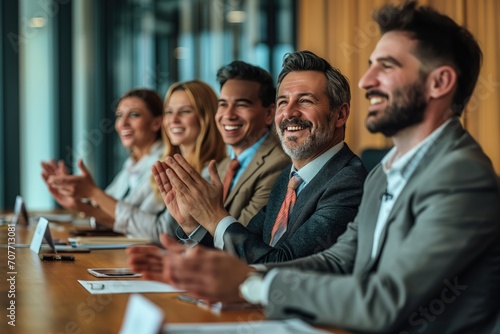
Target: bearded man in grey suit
{"points": [[429, 261], [312, 107]]}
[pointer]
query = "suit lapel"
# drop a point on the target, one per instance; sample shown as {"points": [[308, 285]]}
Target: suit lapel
{"points": [[436, 150], [315, 186], [368, 217], [257, 162], [329, 170]]}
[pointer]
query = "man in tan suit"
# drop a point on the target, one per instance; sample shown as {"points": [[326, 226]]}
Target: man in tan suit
{"points": [[245, 116]]}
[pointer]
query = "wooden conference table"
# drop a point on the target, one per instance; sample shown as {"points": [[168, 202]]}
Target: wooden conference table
{"points": [[48, 298]]}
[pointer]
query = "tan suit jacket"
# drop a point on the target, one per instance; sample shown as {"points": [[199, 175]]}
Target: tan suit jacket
{"points": [[251, 192]]}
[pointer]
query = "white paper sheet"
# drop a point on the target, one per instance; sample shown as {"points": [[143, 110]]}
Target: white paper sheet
{"points": [[290, 326], [126, 286], [141, 316]]}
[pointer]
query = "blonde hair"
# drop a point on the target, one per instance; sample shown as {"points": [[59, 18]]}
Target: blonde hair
{"points": [[209, 144]]}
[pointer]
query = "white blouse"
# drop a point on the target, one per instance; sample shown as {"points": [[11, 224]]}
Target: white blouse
{"points": [[132, 185]]}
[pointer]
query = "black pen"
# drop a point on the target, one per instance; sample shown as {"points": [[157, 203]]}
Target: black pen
{"points": [[57, 258]]}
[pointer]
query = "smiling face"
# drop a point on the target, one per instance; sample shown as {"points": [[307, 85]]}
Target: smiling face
{"points": [[136, 125], [306, 125], [241, 118], [180, 120], [395, 86]]}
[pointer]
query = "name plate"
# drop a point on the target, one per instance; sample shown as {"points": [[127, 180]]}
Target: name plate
{"points": [[42, 231]]}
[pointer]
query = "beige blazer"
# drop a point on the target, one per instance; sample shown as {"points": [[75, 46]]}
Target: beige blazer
{"points": [[251, 192]]}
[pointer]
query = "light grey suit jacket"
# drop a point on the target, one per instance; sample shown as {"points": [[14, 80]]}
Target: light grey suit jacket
{"points": [[437, 269]]}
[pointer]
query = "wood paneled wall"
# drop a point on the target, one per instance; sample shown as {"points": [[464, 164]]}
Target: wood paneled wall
{"points": [[343, 32]]}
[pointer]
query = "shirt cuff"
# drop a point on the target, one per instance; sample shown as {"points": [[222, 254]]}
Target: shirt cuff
{"points": [[266, 286], [193, 238], [256, 287], [221, 229], [260, 267], [198, 234]]}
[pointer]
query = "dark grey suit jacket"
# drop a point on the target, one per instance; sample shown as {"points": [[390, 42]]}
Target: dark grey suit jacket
{"points": [[437, 268], [320, 215]]}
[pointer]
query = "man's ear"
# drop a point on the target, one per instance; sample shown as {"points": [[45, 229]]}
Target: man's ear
{"points": [[270, 113], [343, 115], [443, 80]]}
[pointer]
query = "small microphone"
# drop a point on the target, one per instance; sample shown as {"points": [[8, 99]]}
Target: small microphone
{"points": [[386, 196]]}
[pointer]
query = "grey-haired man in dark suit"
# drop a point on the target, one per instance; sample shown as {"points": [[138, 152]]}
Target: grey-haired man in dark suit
{"points": [[312, 107]]}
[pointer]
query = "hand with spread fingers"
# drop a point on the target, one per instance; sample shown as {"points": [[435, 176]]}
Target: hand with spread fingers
{"points": [[188, 196], [147, 261], [181, 216], [52, 167], [203, 272], [78, 186], [58, 169]]}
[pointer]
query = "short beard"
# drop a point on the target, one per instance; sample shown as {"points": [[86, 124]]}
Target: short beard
{"points": [[407, 109], [313, 143]]}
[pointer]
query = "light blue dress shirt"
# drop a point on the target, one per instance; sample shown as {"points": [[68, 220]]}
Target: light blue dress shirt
{"points": [[245, 158]]}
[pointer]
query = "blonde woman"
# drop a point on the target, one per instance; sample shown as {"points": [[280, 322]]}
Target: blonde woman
{"points": [[190, 130]]}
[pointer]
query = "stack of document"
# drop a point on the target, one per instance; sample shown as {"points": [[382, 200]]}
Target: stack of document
{"points": [[289, 326], [54, 217], [107, 242]]}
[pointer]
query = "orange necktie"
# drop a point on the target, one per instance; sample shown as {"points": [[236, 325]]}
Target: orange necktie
{"points": [[234, 165], [281, 223]]}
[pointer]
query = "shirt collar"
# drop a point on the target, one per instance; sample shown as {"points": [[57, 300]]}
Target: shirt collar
{"points": [[309, 171], [147, 160], [408, 162], [247, 155]]}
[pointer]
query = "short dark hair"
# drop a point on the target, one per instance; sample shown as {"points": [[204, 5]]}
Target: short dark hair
{"points": [[440, 41], [240, 70], [338, 89]]}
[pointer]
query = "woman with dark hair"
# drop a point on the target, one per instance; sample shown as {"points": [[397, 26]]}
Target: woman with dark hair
{"points": [[138, 120]]}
